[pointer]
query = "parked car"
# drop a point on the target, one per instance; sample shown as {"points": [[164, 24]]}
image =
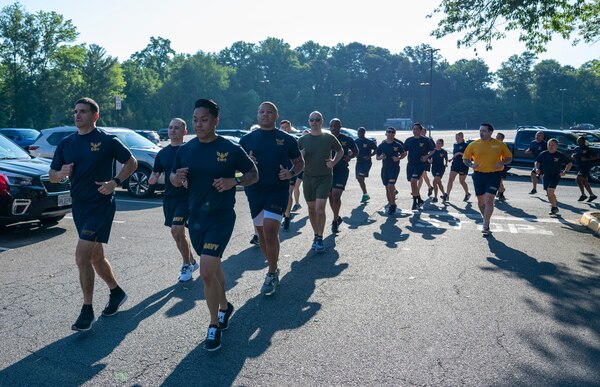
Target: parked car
{"points": [[567, 141], [352, 133], [26, 193], [582, 127], [23, 137], [592, 136], [163, 134], [239, 133], [142, 149], [149, 134]]}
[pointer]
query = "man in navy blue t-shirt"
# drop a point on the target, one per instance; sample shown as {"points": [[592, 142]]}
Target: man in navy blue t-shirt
{"points": [[87, 158], [419, 149], [390, 151], [340, 172], [536, 147], [366, 150], [175, 199], [206, 166], [271, 150], [549, 163]]}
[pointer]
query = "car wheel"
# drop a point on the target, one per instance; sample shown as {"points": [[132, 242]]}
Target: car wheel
{"points": [[52, 220], [138, 185], [595, 174]]}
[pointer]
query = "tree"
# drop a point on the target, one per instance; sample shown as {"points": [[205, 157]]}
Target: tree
{"points": [[538, 21]]}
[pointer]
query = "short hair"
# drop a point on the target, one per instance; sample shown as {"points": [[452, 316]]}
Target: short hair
{"points": [[418, 124], [460, 134], [270, 104], [285, 122], [500, 134], [391, 128], [489, 126], [335, 120], [553, 140], [317, 112], [361, 129], [90, 102], [208, 104], [181, 121], [440, 140]]}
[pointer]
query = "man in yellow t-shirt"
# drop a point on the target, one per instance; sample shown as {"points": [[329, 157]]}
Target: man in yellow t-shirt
{"points": [[487, 156]]}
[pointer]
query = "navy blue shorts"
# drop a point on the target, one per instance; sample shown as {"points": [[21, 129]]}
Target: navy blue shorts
{"points": [[584, 170], [459, 168], [414, 171], [93, 220], [362, 169], [210, 233], [340, 178], [551, 181], [428, 166], [486, 182], [438, 171], [176, 211], [274, 201], [389, 175]]}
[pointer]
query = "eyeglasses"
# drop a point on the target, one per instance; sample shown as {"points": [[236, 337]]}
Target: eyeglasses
{"points": [[314, 119]]}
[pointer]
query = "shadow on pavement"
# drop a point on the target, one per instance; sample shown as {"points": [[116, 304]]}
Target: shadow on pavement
{"points": [[358, 217], [254, 324], [390, 233], [574, 302], [427, 229], [25, 234], [296, 225]]}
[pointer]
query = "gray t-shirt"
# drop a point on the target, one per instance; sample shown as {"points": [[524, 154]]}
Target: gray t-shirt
{"points": [[317, 150]]}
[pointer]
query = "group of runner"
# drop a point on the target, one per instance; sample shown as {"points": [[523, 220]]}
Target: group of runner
{"points": [[202, 174]]}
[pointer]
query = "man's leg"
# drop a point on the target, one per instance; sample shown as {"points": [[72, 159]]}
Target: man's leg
{"points": [[361, 183], [488, 207], [551, 193], [335, 202], [84, 256], [451, 181], [321, 217], [580, 184], [297, 191], [269, 242], [463, 182], [183, 243], [214, 286], [534, 181]]}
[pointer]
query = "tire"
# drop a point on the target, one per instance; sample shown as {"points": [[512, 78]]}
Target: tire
{"points": [[595, 174], [52, 220], [137, 184]]}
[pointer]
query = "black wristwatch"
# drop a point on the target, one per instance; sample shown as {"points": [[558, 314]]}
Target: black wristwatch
{"points": [[238, 180], [118, 181]]}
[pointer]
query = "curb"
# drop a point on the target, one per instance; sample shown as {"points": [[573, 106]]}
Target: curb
{"points": [[592, 221]]}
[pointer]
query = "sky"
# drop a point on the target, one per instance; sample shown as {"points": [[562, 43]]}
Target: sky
{"points": [[124, 27]]}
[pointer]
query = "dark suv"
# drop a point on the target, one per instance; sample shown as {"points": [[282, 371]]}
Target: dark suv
{"points": [[26, 193]]}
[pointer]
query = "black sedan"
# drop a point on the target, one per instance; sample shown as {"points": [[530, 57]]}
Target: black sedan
{"points": [[26, 193]]}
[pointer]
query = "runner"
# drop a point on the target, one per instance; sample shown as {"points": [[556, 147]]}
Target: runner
{"points": [[206, 166], [458, 167], [500, 195], [295, 182], [425, 176], [419, 149], [549, 163], [536, 147], [439, 162], [390, 151], [316, 147], [341, 172], [487, 156], [271, 150], [584, 156], [87, 159], [175, 199], [366, 149]]}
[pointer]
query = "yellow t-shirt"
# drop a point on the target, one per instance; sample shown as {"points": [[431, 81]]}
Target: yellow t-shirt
{"points": [[486, 154]]}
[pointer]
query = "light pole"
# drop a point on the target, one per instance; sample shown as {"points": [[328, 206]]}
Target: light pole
{"points": [[424, 97], [265, 82], [562, 107], [337, 99], [514, 111], [431, 51]]}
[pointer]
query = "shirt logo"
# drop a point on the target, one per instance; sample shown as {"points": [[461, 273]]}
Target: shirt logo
{"points": [[343, 143], [95, 146], [556, 159], [211, 246], [364, 145], [222, 157], [280, 141], [421, 145], [395, 149]]}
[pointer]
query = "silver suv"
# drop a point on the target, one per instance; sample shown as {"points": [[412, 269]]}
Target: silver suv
{"points": [[142, 149]]}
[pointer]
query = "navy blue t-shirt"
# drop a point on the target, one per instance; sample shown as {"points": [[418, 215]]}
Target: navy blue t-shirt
{"points": [[585, 152], [552, 163], [365, 148], [390, 150], [164, 164], [93, 156], [458, 148], [438, 158], [271, 148], [347, 144], [207, 162], [537, 147], [418, 147]]}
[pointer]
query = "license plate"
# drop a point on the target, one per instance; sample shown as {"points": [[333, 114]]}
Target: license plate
{"points": [[64, 200]]}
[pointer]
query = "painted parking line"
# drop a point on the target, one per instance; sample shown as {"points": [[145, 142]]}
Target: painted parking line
{"points": [[139, 201], [494, 217]]}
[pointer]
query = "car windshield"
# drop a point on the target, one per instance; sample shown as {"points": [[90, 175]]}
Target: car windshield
{"points": [[29, 134], [134, 140], [10, 150]]}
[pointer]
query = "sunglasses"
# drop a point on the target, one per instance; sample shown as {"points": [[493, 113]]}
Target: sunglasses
{"points": [[314, 119]]}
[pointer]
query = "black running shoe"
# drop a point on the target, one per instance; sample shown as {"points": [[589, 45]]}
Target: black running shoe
{"points": [[224, 316], [553, 211], [335, 227], [467, 197], [286, 223], [114, 302], [592, 198], [254, 240], [429, 191], [392, 209], [486, 231], [533, 191], [85, 320], [213, 338], [434, 200], [415, 205], [582, 198]]}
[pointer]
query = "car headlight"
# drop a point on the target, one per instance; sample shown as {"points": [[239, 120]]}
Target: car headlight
{"points": [[18, 180]]}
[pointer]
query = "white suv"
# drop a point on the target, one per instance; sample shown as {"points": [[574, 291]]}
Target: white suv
{"points": [[142, 149]]}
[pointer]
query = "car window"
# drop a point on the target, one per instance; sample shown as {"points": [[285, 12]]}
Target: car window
{"points": [[134, 140], [55, 137], [526, 137], [10, 150], [30, 134]]}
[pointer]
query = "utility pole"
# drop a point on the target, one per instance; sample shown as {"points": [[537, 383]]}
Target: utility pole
{"points": [[431, 51], [562, 107]]}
